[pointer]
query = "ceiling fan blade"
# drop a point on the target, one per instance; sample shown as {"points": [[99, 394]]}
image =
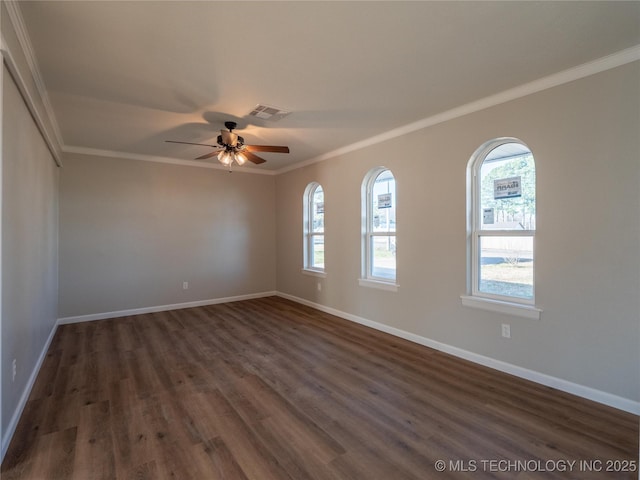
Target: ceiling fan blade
{"points": [[191, 143], [209, 155], [267, 148], [253, 158], [229, 138]]}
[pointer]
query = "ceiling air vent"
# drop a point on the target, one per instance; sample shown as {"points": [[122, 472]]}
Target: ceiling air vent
{"points": [[267, 112]]}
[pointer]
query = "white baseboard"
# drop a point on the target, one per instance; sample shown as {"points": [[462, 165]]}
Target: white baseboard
{"points": [[589, 393], [15, 418], [161, 308]]}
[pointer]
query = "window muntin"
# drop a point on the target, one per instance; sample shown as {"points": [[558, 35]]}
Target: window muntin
{"points": [[314, 227], [379, 241], [504, 222]]}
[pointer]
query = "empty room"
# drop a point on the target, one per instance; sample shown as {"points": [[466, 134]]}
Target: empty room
{"points": [[319, 240]]}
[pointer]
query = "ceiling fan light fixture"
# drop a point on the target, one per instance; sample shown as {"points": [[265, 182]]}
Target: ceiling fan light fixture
{"points": [[231, 148], [225, 158], [241, 159]]}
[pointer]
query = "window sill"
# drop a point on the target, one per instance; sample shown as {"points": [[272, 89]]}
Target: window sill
{"points": [[516, 309], [314, 273], [389, 287]]}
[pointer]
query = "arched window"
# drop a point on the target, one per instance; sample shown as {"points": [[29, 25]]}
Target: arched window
{"points": [[379, 227], [314, 227], [502, 224]]}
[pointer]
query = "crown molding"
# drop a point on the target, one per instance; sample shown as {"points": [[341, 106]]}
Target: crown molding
{"points": [[17, 22], [14, 73], [614, 60], [152, 158]]}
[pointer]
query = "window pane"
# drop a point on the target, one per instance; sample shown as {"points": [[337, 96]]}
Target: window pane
{"points": [[317, 210], [508, 189], [383, 257], [383, 198], [506, 266], [317, 243]]}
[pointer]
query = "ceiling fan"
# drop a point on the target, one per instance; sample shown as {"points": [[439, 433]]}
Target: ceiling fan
{"points": [[231, 148]]}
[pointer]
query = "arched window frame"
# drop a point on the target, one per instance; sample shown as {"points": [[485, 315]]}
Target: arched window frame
{"points": [[311, 233], [475, 297], [368, 275]]}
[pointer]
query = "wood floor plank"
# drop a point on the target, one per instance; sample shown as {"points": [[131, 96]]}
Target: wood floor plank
{"points": [[94, 459], [145, 471], [251, 454], [130, 432], [174, 453], [57, 455], [270, 389], [283, 414], [225, 464]]}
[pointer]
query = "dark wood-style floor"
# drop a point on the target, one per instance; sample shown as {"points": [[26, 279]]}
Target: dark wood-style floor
{"points": [[269, 389]]}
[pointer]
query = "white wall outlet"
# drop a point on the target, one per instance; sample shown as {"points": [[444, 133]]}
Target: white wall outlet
{"points": [[319, 286], [185, 285], [506, 330], [14, 370]]}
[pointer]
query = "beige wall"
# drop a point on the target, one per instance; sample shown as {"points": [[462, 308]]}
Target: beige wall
{"points": [[29, 249], [131, 232], [584, 137]]}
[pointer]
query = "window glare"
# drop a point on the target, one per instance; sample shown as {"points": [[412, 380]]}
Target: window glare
{"points": [[318, 251], [383, 257], [506, 266]]}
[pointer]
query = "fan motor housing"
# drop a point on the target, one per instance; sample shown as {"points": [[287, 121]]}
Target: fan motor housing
{"points": [[240, 141]]}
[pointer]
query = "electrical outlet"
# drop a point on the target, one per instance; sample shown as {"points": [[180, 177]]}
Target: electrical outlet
{"points": [[319, 286], [506, 330], [185, 285], [14, 369]]}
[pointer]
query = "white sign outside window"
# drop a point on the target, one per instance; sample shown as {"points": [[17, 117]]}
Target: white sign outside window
{"points": [[384, 200], [487, 216], [507, 188]]}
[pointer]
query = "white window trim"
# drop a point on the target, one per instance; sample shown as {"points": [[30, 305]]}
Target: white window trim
{"points": [[500, 306], [380, 285], [521, 307], [308, 233], [314, 272], [367, 279]]}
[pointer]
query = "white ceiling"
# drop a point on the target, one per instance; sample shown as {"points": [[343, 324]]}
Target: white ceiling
{"points": [[125, 76]]}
